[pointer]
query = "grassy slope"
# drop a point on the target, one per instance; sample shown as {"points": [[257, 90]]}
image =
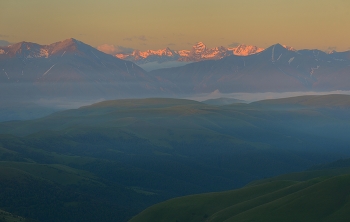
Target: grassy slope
{"points": [[56, 173], [139, 152], [332, 100], [58, 193], [323, 198], [222, 101], [9, 217]]}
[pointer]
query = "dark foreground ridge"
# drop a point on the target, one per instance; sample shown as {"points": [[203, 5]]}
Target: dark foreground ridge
{"points": [[321, 195]]}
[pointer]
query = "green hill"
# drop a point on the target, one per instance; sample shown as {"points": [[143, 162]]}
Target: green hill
{"points": [[331, 100], [51, 192], [321, 197], [222, 101], [9, 217], [115, 158]]}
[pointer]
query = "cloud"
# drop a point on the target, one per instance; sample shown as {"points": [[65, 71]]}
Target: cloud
{"points": [[4, 43], [128, 39], [114, 49], [234, 44], [4, 36], [171, 44]]}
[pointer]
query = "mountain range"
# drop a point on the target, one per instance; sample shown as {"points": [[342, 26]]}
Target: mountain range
{"points": [[199, 52], [276, 69], [71, 68], [110, 160], [68, 68]]}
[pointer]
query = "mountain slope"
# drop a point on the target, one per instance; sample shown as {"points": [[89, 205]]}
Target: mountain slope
{"points": [[8, 217], [222, 101], [72, 69], [318, 198], [69, 68], [114, 158], [331, 101], [57, 192], [198, 52], [275, 69]]}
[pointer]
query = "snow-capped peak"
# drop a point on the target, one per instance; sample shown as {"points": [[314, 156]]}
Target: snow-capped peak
{"points": [[26, 50], [198, 52], [199, 47], [30, 50], [144, 54], [199, 44], [289, 48], [331, 52], [245, 50]]}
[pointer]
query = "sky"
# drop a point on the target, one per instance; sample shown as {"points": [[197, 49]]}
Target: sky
{"points": [[179, 24]]}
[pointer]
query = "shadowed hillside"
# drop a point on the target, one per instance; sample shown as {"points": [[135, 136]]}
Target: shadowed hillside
{"points": [[307, 196], [115, 158]]}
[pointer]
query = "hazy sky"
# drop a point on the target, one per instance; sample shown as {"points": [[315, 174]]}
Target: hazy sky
{"points": [[178, 24]]}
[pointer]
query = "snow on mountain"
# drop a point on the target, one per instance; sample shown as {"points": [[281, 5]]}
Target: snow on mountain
{"points": [[137, 55], [121, 56], [199, 48], [277, 68], [245, 50], [331, 52], [157, 59], [69, 68], [161, 52], [23, 50], [289, 48], [73, 62], [184, 53], [30, 50], [199, 52]]}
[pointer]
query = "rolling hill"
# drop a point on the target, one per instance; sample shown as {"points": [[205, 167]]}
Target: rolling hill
{"points": [[319, 195], [222, 101], [113, 159]]}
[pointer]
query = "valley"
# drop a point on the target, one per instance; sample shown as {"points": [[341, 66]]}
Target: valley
{"points": [[128, 154], [86, 136], [204, 111]]}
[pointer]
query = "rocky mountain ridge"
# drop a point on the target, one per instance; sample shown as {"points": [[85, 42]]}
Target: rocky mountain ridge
{"points": [[275, 69], [68, 68], [72, 68], [198, 52]]}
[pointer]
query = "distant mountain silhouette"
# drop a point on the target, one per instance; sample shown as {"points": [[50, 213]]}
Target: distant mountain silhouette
{"points": [[276, 69], [71, 68], [198, 52]]}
